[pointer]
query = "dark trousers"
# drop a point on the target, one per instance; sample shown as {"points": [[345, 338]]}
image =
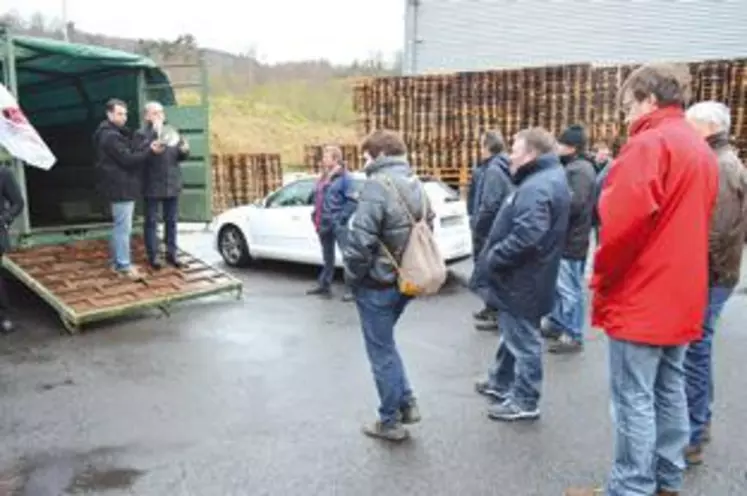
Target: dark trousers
{"points": [[328, 242], [170, 210]]}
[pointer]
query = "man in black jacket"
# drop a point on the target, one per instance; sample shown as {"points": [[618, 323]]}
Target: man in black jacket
{"points": [[11, 205], [492, 186], [380, 228], [162, 184], [119, 168], [565, 325], [520, 264]]}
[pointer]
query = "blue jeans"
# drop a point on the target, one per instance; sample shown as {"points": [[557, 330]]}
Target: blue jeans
{"points": [[699, 369], [170, 208], [379, 311], [517, 371], [649, 411], [119, 244], [570, 299]]}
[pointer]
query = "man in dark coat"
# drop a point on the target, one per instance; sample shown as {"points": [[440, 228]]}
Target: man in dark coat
{"points": [[380, 229], [334, 204], [565, 325], [520, 263], [490, 189], [162, 184], [119, 170], [11, 206]]}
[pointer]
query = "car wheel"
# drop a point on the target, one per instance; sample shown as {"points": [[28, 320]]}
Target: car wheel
{"points": [[233, 247]]}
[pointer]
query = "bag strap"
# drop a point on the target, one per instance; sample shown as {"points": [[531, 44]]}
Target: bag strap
{"points": [[389, 185]]}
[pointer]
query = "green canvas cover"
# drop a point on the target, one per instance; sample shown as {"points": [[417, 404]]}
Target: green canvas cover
{"points": [[69, 83]]}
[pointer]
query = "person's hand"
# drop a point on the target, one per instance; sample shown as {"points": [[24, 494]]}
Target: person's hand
{"points": [[184, 146], [157, 147]]}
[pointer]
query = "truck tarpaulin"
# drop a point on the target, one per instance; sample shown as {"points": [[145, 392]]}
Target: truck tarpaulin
{"points": [[18, 136]]}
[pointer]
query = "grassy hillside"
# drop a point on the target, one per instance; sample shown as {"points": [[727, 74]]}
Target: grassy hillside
{"points": [[282, 118]]}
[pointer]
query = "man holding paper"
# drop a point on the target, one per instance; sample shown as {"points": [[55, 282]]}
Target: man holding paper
{"points": [[162, 182]]}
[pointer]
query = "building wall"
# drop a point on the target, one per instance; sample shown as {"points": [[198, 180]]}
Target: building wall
{"points": [[473, 35]]}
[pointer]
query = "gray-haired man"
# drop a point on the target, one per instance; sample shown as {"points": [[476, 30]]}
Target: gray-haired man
{"points": [[725, 240], [162, 184]]}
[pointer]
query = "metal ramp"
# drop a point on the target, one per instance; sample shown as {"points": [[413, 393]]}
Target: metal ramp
{"points": [[76, 280]]}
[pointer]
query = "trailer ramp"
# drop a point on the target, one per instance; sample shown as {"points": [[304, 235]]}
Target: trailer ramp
{"points": [[77, 281]]}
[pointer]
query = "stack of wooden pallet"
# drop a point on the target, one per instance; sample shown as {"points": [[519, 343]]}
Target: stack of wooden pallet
{"points": [[441, 117], [240, 179]]}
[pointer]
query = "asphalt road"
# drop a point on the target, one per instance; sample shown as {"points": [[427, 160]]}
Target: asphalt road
{"points": [[266, 396]]}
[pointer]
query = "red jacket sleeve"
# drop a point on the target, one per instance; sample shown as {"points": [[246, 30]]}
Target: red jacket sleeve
{"points": [[628, 204]]}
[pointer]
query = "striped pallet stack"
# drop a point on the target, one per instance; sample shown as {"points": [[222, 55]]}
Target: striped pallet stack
{"points": [[441, 117], [738, 103], [240, 179]]}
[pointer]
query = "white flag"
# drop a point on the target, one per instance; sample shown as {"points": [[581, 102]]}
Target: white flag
{"points": [[19, 137]]}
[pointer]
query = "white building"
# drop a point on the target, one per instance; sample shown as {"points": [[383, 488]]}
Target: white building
{"points": [[473, 35]]}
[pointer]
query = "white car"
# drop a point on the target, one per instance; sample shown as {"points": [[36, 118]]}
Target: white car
{"points": [[279, 227]]}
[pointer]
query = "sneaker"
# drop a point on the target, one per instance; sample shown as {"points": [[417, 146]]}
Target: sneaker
{"points": [[155, 265], [410, 413], [395, 433], [484, 388], [487, 325], [565, 344], [319, 291], [694, 455], [548, 331], [348, 297], [509, 411], [484, 314]]}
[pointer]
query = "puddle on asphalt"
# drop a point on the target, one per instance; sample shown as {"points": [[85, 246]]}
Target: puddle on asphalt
{"points": [[69, 473]]}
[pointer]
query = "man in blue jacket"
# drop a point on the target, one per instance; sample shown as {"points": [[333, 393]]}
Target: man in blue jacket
{"points": [[491, 185], [334, 204], [520, 266]]}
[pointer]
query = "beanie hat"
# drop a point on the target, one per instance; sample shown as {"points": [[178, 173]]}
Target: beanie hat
{"points": [[574, 136]]}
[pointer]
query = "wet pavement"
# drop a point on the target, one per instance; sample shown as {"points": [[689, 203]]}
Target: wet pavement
{"points": [[265, 396]]}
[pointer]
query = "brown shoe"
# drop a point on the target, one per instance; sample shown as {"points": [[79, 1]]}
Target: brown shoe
{"points": [[395, 433], [663, 492], [693, 455], [585, 491]]}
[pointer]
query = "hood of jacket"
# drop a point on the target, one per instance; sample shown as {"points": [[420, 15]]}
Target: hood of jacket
{"points": [[394, 165]]}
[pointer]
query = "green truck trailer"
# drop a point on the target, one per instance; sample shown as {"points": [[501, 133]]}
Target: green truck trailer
{"points": [[60, 248]]}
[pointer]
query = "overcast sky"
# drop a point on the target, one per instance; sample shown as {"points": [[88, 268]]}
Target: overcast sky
{"points": [[338, 30]]}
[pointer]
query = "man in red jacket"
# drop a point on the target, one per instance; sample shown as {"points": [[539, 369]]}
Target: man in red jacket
{"points": [[651, 278]]}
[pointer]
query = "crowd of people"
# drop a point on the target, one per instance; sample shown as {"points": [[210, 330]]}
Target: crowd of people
{"points": [[668, 214]]}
